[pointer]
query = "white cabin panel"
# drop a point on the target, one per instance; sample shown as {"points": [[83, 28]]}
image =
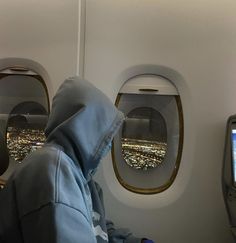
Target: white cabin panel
{"points": [[193, 44], [43, 33]]}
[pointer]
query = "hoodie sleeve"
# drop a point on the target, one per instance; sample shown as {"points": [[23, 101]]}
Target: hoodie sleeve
{"points": [[120, 235], [50, 200], [116, 235], [56, 223]]}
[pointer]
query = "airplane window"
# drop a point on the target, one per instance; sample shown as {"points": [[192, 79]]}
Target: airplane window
{"points": [[24, 108], [147, 150]]}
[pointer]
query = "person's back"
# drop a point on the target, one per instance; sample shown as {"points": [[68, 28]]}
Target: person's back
{"points": [[9, 223], [44, 194]]}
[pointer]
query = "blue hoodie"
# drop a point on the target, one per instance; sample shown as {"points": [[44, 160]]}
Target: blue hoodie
{"points": [[52, 197]]}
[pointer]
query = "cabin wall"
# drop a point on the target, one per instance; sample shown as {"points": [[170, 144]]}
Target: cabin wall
{"points": [[193, 43], [42, 36]]}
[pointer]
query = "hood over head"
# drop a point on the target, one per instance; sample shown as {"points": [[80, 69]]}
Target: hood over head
{"points": [[83, 122]]}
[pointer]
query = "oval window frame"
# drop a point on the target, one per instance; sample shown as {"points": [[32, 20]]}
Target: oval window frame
{"points": [[20, 70], [169, 182]]}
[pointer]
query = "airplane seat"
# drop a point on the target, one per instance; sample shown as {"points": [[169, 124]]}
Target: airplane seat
{"points": [[229, 173], [4, 158]]}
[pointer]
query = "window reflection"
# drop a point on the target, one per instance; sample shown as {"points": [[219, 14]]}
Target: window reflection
{"points": [[25, 131], [144, 138]]}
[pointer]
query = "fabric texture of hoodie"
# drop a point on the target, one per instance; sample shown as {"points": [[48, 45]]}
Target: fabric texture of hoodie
{"points": [[52, 198]]}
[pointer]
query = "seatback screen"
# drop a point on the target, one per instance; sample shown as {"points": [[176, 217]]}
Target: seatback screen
{"points": [[233, 144]]}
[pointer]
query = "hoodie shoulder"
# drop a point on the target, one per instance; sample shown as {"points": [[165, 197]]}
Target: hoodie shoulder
{"points": [[47, 176]]}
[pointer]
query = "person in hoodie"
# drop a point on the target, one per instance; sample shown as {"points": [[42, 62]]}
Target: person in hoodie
{"points": [[52, 198]]}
